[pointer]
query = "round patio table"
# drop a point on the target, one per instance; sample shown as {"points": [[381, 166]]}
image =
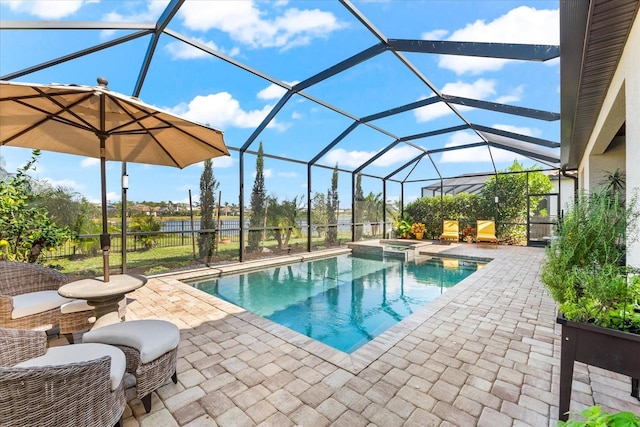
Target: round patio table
{"points": [[104, 296]]}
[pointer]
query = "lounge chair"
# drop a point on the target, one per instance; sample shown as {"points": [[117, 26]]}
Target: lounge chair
{"points": [[486, 231], [450, 231]]}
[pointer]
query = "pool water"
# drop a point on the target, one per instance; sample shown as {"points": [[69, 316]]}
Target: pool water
{"points": [[343, 301]]}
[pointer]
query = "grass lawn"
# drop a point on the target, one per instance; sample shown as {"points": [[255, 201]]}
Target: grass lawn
{"points": [[165, 259]]}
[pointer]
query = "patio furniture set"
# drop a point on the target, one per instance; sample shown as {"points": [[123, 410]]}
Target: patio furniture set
{"points": [[83, 383], [486, 231]]}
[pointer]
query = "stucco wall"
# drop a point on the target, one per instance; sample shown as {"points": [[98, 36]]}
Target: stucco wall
{"points": [[632, 72], [600, 165]]}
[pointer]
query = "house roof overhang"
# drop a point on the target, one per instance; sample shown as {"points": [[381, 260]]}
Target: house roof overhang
{"points": [[592, 38]]}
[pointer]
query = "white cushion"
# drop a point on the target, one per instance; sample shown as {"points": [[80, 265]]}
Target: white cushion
{"points": [[36, 302], [152, 338], [65, 354], [75, 306]]}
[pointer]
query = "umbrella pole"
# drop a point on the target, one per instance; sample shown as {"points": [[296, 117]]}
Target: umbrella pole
{"points": [[105, 239]]}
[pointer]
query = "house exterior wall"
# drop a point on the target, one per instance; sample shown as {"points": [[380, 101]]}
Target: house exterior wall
{"points": [[567, 191], [602, 164], [632, 69], [621, 105]]}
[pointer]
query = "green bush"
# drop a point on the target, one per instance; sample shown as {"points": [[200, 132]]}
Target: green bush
{"points": [[511, 211], [585, 269], [25, 230], [594, 416], [146, 223]]}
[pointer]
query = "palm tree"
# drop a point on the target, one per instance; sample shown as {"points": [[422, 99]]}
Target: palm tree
{"points": [[373, 211]]}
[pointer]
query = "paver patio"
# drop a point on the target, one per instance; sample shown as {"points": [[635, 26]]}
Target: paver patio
{"points": [[484, 353]]}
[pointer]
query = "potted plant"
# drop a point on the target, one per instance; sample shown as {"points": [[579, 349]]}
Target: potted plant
{"points": [[598, 295], [403, 228], [467, 233], [418, 229]]}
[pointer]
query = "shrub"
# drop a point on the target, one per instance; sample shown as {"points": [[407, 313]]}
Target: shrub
{"points": [[594, 416]]}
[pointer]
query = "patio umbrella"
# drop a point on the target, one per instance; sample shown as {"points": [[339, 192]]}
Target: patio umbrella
{"points": [[95, 122]]}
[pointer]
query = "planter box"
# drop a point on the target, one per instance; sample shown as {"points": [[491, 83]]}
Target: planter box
{"points": [[605, 348]]}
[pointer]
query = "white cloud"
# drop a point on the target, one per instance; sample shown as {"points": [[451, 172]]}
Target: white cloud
{"points": [[514, 96], [480, 89], [348, 158], [274, 91], [217, 162], [113, 196], [434, 35], [524, 25], [222, 162], [296, 116], [397, 155], [181, 50], [356, 158], [48, 9], [221, 110], [89, 162], [153, 10], [519, 129], [475, 154], [481, 154], [247, 24]]}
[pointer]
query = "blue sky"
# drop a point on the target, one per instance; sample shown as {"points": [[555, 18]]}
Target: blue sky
{"points": [[288, 42]]}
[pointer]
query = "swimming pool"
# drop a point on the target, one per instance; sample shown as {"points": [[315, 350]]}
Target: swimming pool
{"points": [[344, 301]]}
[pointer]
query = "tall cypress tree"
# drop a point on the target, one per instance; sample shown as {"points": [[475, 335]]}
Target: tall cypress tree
{"points": [[359, 207], [332, 209], [208, 186], [258, 199]]}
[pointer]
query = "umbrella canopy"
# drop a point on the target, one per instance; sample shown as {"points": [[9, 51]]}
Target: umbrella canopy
{"points": [[95, 122]]}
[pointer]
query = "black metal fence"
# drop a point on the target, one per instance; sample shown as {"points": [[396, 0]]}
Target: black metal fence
{"points": [[182, 233]]}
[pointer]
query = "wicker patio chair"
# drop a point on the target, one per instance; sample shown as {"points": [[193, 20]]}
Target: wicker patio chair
{"points": [[46, 392], [19, 279]]}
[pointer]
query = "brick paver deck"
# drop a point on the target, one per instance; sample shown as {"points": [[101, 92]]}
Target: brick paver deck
{"points": [[485, 353]]}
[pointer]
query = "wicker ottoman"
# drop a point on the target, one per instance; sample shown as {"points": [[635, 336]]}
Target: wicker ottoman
{"points": [[151, 349]]}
